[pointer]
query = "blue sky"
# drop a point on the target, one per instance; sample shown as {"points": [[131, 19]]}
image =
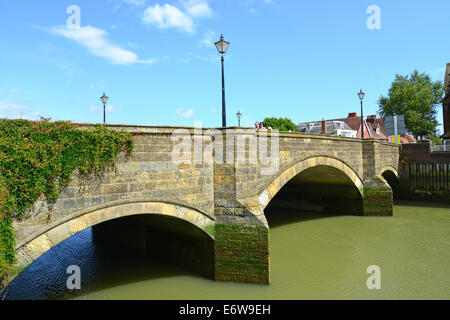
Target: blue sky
{"points": [[156, 60]]}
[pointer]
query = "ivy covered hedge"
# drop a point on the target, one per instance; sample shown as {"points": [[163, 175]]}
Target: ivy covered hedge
{"points": [[39, 157]]}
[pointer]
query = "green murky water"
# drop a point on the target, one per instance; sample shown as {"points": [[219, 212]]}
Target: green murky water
{"points": [[312, 257]]}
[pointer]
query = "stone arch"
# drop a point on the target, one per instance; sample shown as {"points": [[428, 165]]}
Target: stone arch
{"points": [[40, 242], [389, 175], [272, 189], [385, 169]]}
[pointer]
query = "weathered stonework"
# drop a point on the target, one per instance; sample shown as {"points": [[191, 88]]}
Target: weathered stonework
{"points": [[242, 253], [378, 201], [224, 199]]}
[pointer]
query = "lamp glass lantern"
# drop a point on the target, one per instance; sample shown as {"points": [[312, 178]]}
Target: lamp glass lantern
{"points": [[104, 98], [238, 115], [361, 94], [222, 45]]}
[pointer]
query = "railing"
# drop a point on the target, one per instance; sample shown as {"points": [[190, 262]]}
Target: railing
{"points": [[430, 176], [440, 148]]}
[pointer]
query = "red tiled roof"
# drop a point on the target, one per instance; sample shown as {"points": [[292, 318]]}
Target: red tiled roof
{"points": [[408, 139], [370, 126]]}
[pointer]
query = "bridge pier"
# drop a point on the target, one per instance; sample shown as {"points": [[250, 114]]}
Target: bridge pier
{"points": [[378, 198], [241, 244], [242, 253]]}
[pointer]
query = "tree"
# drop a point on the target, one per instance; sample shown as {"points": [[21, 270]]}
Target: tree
{"points": [[282, 124], [435, 139], [417, 97]]}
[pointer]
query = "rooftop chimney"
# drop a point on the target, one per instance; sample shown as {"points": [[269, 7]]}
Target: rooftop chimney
{"points": [[324, 126], [371, 118], [352, 115]]}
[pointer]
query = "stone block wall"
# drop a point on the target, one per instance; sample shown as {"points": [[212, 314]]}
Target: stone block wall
{"points": [[293, 148], [421, 153], [149, 173], [242, 253]]}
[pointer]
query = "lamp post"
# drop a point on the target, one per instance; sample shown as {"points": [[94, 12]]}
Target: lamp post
{"points": [[361, 95], [222, 47], [238, 115], [104, 99]]}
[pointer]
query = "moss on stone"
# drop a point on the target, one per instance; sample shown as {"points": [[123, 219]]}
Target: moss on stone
{"points": [[242, 253], [210, 229]]}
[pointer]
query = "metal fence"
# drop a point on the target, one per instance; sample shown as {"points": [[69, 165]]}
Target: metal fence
{"points": [[430, 176], [440, 148]]}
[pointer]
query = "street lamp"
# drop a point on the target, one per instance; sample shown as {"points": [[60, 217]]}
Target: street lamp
{"points": [[104, 99], [361, 95], [222, 47], [238, 115]]}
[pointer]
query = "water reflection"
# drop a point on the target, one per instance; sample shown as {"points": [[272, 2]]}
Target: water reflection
{"points": [[102, 267]]}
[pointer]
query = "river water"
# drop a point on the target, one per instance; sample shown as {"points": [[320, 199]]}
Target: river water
{"points": [[313, 256]]}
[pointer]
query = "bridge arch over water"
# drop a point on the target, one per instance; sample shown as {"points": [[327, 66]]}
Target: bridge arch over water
{"points": [[390, 175], [32, 247], [388, 170], [318, 162]]}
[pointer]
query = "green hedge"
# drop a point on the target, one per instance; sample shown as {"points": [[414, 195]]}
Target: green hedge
{"points": [[39, 157]]}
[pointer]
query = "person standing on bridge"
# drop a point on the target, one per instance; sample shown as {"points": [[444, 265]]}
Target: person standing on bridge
{"points": [[261, 126]]}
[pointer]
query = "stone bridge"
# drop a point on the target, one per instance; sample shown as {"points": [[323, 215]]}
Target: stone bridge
{"points": [[197, 196]]}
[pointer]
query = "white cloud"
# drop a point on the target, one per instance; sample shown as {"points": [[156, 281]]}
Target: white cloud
{"points": [[208, 39], [198, 8], [96, 41], [12, 110], [185, 113], [168, 16], [11, 106]]}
